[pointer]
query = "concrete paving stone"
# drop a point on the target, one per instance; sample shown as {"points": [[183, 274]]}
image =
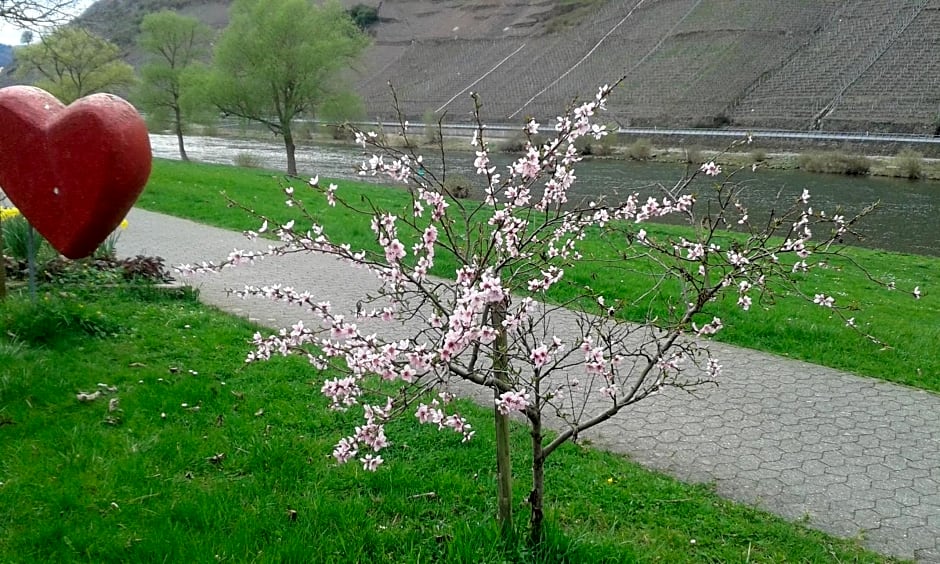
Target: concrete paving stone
{"points": [[785, 463], [858, 480], [669, 436], [747, 463], [882, 451], [769, 489], [791, 446], [933, 520], [931, 554], [893, 483], [858, 501], [813, 487], [925, 486], [838, 440], [845, 528], [867, 519], [885, 434], [878, 472], [693, 429], [891, 541], [795, 511], [888, 508], [933, 455], [833, 459], [899, 460], [804, 456], [793, 477], [868, 441], [922, 538], [907, 497], [920, 510], [845, 422], [932, 499], [913, 528], [730, 442], [727, 470], [820, 448], [768, 454], [839, 492], [751, 409]]}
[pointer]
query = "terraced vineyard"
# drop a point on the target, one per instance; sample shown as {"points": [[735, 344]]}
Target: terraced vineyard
{"points": [[862, 65], [826, 64]]}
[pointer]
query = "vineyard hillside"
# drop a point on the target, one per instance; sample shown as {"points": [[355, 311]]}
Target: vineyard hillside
{"points": [[862, 65]]}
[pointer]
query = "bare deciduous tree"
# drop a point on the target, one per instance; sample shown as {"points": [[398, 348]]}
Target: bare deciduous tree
{"points": [[36, 13]]}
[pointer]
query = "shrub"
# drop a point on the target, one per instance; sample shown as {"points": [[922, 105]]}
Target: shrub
{"points": [[603, 147], [339, 132], [758, 155], [247, 160], [432, 129], [835, 162], [363, 16], [640, 150], [458, 185], [910, 164], [516, 144], [693, 155]]}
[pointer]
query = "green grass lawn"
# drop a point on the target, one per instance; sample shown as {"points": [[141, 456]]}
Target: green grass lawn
{"points": [[909, 328], [207, 459]]}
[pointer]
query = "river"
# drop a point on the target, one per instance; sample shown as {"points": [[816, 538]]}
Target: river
{"points": [[907, 219]]}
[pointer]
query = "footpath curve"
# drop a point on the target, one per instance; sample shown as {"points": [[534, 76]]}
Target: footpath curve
{"points": [[854, 456]]}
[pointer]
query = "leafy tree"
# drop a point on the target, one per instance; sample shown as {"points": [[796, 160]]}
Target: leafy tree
{"points": [[26, 37], [279, 60], [72, 63], [175, 44]]}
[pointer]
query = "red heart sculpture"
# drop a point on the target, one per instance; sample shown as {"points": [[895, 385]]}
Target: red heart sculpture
{"points": [[74, 172]]}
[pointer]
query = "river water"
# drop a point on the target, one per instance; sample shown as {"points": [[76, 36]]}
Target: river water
{"points": [[907, 219]]}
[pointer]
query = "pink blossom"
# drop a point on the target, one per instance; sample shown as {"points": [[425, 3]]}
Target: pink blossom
{"points": [[713, 368], [345, 450], [429, 414], [395, 251], [527, 166], [371, 463], [512, 401], [711, 169], [824, 300], [709, 328], [539, 356], [482, 162]]}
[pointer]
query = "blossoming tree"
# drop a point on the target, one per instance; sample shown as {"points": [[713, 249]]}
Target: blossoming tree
{"points": [[491, 295]]}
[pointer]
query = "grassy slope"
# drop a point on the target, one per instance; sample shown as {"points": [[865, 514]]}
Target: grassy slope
{"points": [[78, 483], [911, 328]]}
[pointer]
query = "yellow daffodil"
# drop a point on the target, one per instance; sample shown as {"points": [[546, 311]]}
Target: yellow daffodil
{"points": [[124, 224], [8, 213]]}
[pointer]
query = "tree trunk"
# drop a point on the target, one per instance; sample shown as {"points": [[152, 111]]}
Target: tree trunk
{"points": [[290, 147], [179, 133], [537, 495], [503, 462]]}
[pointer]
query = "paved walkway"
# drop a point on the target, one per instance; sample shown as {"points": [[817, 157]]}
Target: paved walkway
{"points": [[854, 456]]}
